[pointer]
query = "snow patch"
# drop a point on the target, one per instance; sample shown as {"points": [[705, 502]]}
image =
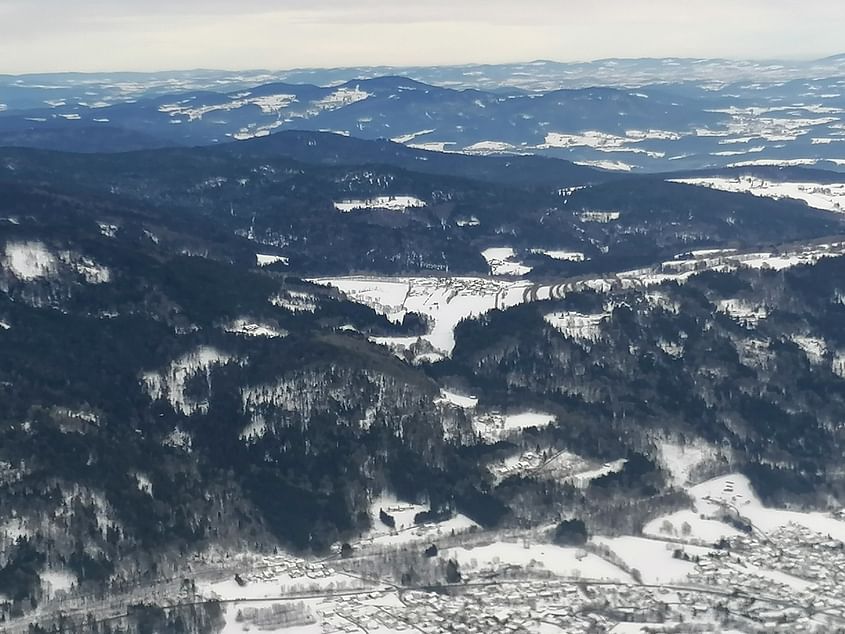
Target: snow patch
{"points": [[745, 313], [171, 383], [249, 328], [585, 328], [602, 217], [681, 459], [389, 203], [445, 301], [813, 347], [502, 261], [652, 558], [458, 400], [143, 483], [407, 138], [494, 426], [29, 260], [829, 197], [341, 98], [560, 561], [295, 302], [405, 529], [734, 492], [178, 439], [613, 166], [267, 260], [53, 581], [569, 256]]}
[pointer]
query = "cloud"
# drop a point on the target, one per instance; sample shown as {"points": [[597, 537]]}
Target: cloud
{"points": [[158, 34]]}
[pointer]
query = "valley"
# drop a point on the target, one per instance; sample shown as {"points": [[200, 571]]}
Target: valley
{"points": [[521, 348], [780, 576]]}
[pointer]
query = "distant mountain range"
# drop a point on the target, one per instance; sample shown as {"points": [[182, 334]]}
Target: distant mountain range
{"points": [[665, 115]]}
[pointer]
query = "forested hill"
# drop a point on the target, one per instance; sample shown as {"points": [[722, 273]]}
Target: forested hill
{"points": [[297, 197], [170, 381]]}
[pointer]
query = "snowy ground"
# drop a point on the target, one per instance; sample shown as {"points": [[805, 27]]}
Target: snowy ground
{"points": [[33, 260], [614, 166], [830, 197], [458, 400], [652, 558], [29, 260], [745, 313], [604, 142], [564, 562], [405, 529], [494, 426], [171, 382], [680, 459], [502, 261], [446, 301], [54, 581], [734, 491], [390, 203], [578, 326], [267, 260], [249, 328], [689, 526], [561, 254]]}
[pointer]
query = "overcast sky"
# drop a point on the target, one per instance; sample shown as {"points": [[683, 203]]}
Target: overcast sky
{"points": [[59, 35]]}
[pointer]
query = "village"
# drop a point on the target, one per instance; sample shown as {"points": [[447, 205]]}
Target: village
{"points": [[789, 580], [730, 565]]}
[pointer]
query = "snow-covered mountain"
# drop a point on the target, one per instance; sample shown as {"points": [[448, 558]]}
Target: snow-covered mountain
{"points": [[674, 114]]}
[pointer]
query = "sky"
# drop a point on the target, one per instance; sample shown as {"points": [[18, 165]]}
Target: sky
{"points": [[108, 35]]}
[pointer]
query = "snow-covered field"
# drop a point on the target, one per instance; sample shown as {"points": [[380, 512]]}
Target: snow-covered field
{"points": [[502, 261], [652, 558], [560, 254], [689, 525], [829, 197], [614, 166], [267, 260], [681, 459], [604, 142], [578, 326], [389, 203], [564, 562], [405, 530], [407, 138], [489, 147], [446, 301], [340, 98], [249, 328], [493, 426], [735, 491], [54, 581], [583, 478], [269, 104], [458, 400]]}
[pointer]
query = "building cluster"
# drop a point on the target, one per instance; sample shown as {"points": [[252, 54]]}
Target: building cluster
{"points": [[788, 581]]}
